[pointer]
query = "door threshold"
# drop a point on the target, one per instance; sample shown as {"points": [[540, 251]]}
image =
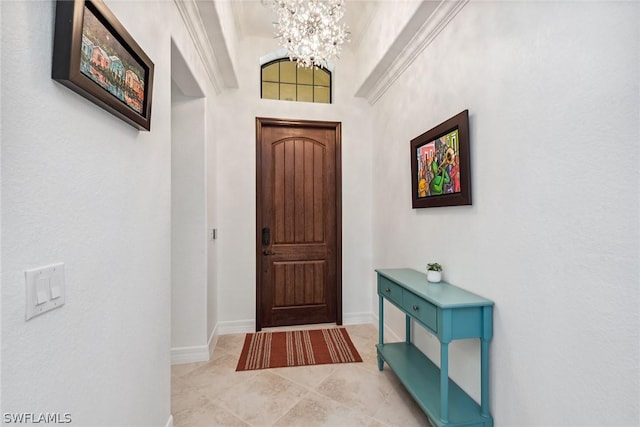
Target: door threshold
{"points": [[300, 327]]}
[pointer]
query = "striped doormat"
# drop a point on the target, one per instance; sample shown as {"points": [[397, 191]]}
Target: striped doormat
{"points": [[297, 348]]}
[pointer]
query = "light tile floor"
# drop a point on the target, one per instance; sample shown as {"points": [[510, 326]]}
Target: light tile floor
{"points": [[343, 395]]}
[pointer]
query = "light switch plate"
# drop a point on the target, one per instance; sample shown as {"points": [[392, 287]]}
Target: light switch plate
{"points": [[45, 289]]}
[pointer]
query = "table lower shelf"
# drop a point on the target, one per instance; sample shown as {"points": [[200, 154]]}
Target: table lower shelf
{"points": [[421, 378]]}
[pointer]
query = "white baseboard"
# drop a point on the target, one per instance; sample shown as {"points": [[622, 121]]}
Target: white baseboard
{"points": [[213, 340], [198, 353], [358, 318], [236, 327], [249, 325], [169, 422]]}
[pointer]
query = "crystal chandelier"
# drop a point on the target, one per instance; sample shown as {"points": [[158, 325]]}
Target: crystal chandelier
{"points": [[310, 30]]}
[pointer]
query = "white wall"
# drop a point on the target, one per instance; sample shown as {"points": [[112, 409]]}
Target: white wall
{"points": [[190, 77], [188, 222], [80, 186], [212, 222], [552, 236], [235, 127], [383, 28]]}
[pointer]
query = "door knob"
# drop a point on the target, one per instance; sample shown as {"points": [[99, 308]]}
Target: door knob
{"points": [[267, 252]]}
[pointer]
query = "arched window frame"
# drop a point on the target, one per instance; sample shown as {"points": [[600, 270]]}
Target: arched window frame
{"points": [[269, 60]]}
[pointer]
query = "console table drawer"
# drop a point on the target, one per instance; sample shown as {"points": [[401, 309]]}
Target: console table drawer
{"points": [[426, 312], [389, 290]]}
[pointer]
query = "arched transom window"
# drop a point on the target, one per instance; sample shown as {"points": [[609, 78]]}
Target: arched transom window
{"points": [[283, 79]]}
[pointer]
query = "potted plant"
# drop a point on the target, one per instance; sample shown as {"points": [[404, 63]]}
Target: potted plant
{"points": [[434, 272]]}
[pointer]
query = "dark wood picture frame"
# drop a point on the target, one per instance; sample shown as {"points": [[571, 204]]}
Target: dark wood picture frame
{"points": [[440, 165], [109, 68]]}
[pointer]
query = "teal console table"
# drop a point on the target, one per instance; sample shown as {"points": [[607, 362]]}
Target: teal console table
{"points": [[449, 313]]}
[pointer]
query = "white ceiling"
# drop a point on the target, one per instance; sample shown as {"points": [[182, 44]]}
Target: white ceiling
{"points": [[425, 20], [255, 19]]}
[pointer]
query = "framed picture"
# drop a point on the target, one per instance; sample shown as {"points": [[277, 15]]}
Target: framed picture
{"points": [[440, 165], [96, 57]]}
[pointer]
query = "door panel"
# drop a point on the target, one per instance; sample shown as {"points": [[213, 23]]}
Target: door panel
{"points": [[300, 283], [298, 201]]}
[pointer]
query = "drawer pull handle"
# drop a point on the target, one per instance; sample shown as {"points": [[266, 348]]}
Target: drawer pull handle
{"points": [[387, 290], [415, 308]]}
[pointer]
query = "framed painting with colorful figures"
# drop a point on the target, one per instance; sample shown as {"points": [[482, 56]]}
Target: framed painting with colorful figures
{"points": [[95, 56], [440, 170]]}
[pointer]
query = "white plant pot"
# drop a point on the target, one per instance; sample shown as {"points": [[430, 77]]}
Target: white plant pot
{"points": [[434, 276]]}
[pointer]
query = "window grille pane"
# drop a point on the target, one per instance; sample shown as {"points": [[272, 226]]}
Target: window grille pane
{"points": [[288, 72], [321, 94], [321, 77], [287, 92], [305, 76], [270, 90], [271, 73], [305, 93]]}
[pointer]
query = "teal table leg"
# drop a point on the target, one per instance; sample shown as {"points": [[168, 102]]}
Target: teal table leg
{"points": [[407, 332], [484, 377], [444, 382], [380, 330], [487, 334]]}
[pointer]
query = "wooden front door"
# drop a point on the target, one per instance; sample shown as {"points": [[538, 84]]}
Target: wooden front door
{"points": [[298, 243]]}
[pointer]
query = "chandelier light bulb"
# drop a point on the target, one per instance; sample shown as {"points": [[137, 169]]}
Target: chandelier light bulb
{"points": [[310, 30]]}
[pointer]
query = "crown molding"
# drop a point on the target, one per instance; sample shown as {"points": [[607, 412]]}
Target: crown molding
{"points": [[209, 52], [401, 54]]}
